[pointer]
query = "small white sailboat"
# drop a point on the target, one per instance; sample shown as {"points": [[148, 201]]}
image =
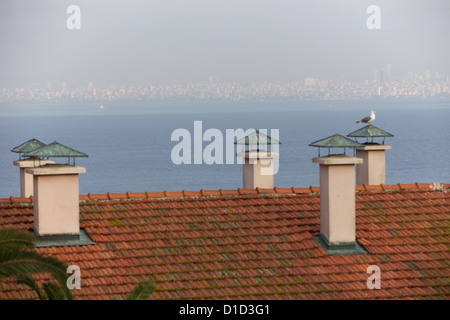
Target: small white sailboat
{"points": [[102, 107]]}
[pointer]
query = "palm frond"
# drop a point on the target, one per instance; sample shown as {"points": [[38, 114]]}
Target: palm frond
{"points": [[16, 263], [29, 281], [53, 291], [12, 239]]}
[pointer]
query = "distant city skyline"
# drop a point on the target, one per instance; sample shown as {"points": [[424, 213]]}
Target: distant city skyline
{"points": [[381, 84], [176, 41]]}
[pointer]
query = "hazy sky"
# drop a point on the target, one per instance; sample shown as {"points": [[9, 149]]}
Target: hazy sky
{"points": [[168, 41]]}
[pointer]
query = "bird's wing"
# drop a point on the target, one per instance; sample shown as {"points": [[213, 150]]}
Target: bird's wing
{"points": [[365, 119]]}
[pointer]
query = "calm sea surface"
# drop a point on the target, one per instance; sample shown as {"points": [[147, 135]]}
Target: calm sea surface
{"points": [[129, 146]]}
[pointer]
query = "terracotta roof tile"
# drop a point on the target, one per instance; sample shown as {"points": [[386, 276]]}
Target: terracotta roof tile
{"points": [[20, 200], [210, 192], [191, 193], [247, 191], [244, 244], [98, 196], [113, 196], [265, 191], [173, 194], [407, 186], [284, 190], [390, 187], [136, 195], [301, 190], [229, 192], [155, 194], [373, 187]]}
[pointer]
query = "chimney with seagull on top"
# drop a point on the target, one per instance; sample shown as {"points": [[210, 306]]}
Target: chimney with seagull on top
{"points": [[373, 169]]}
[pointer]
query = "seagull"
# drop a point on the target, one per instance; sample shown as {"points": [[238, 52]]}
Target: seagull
{"points": [[368, 119]]}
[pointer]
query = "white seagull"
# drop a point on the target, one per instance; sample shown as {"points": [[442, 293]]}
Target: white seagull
{"points": [[368, 119]]}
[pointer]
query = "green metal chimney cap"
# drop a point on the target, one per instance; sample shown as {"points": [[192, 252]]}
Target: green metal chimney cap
{"points": [[257, 138], [369, 132], [336, 141], [56, 150], [28, 146]]}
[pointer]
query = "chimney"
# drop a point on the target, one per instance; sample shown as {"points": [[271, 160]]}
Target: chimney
{"points": [[337, 197], [258, 169], [258, 164], [56, 194], [26, 179], [373, 169], [56, 199]]}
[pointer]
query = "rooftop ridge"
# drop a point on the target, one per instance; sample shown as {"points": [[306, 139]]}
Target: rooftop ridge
{"points": [[399, 187]]}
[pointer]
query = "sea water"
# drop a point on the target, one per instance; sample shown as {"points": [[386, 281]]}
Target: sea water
{"points": [[129, 144]]}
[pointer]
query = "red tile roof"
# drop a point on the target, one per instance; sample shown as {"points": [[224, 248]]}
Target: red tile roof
{"points": [[252, 244]]}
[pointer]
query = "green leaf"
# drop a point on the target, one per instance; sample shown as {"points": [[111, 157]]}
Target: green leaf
{"points": [[141, 291], [29, 281], [53, 291], [12, 239], [16, 263], [19, 261]]}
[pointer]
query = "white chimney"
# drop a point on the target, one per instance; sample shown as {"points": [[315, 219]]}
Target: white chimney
{"points": [[56, 199], [258, 169], [373, 169], [337, 200], [258, 164], [26, 179]]}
